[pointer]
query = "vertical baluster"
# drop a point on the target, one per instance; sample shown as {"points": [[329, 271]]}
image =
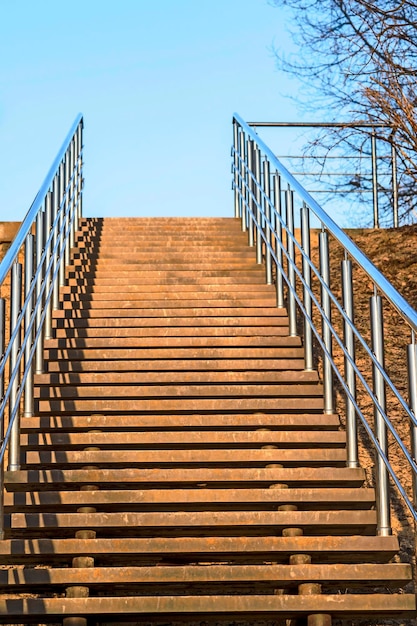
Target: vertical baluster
{"points": [[15, 306], [67, 209], [72, 208], [250, 190], [243, 177], [278, 239], [395, 218], [47, 274], [350, 377], [327, 312], [374, 179], [258, 212], [412, 395], [292, 308], [382, 478], [2, 348], [39, 272], [55, 241], [268, 220], [236, 166], [29, 252], [61, 224], [305, 243], [81, 184]]}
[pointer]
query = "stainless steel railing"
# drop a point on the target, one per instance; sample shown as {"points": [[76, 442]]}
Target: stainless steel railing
{"points": [[34, 268], [352, 348]]}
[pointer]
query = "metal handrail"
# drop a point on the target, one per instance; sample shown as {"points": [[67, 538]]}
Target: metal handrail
{"points": [[266, 209], [43, 243], [395, 298]]}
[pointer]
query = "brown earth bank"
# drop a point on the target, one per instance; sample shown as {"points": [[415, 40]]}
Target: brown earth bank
{"points": [[394, 252]]}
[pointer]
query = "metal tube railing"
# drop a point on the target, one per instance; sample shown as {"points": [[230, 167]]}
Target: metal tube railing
{"points": [[309, 294], [43, 242]]}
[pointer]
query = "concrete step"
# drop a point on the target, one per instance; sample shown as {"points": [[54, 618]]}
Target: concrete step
{"points": [[121, 550], [190, 499], [265, 341], [206, 607], [181, 523], [22, 480], [187, 458], [222, 421]]}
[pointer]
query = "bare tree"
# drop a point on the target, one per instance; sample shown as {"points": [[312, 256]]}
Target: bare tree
{"points": [[358, 60]]}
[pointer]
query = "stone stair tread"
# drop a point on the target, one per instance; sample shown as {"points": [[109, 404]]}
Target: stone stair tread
{"points": [[157, 457], [361, 497], [26, 479], [220, 352], [167, 312], [97, 378], [206, 421], [221, 606], [171, 342], [69, 405], [325, 549], [184, 390], [133, 523], [230, 438], [364, 574]]}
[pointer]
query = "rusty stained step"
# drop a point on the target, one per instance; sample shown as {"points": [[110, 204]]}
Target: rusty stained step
{"points": [[170, 331], [230, 341], [208, 607], [324, 549], [286, 352], [142, 422], [159, 458], [204, 312], [186, 377], [100, 289], [213, 523], [174, 303], [53, 479], [166, 499], [217, 439], [364, 575], [197, 390], [97, 405], [225, 321]]}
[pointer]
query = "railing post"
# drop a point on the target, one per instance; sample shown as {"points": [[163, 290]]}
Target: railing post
{"points": [[292, 309], [80, 147], [67, 209], [349, 339], [2, 349], [305, 244], [236, 164], [382, 479], [72, 196], [243, 177], [412, 401], [258, 195], [395, 219], [48, 219], [278, 239], [15, 306], [28, 398], [61, 230], [249, 145], [374, 179], [39, 365], [55, 243], [268, 220], [326, 332]]}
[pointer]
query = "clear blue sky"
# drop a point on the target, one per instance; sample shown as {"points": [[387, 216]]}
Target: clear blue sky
{"points": [[157, 82]]}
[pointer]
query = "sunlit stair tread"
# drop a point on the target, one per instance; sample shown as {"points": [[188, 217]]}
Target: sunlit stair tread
{"points": [[172, 342], [25, 479], [126, 499], [391, 575], [325, 549], [223, 606], [220, 420], [157, 457]]}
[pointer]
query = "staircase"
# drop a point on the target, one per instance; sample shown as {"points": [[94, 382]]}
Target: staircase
{"points": [[179, 466]]}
